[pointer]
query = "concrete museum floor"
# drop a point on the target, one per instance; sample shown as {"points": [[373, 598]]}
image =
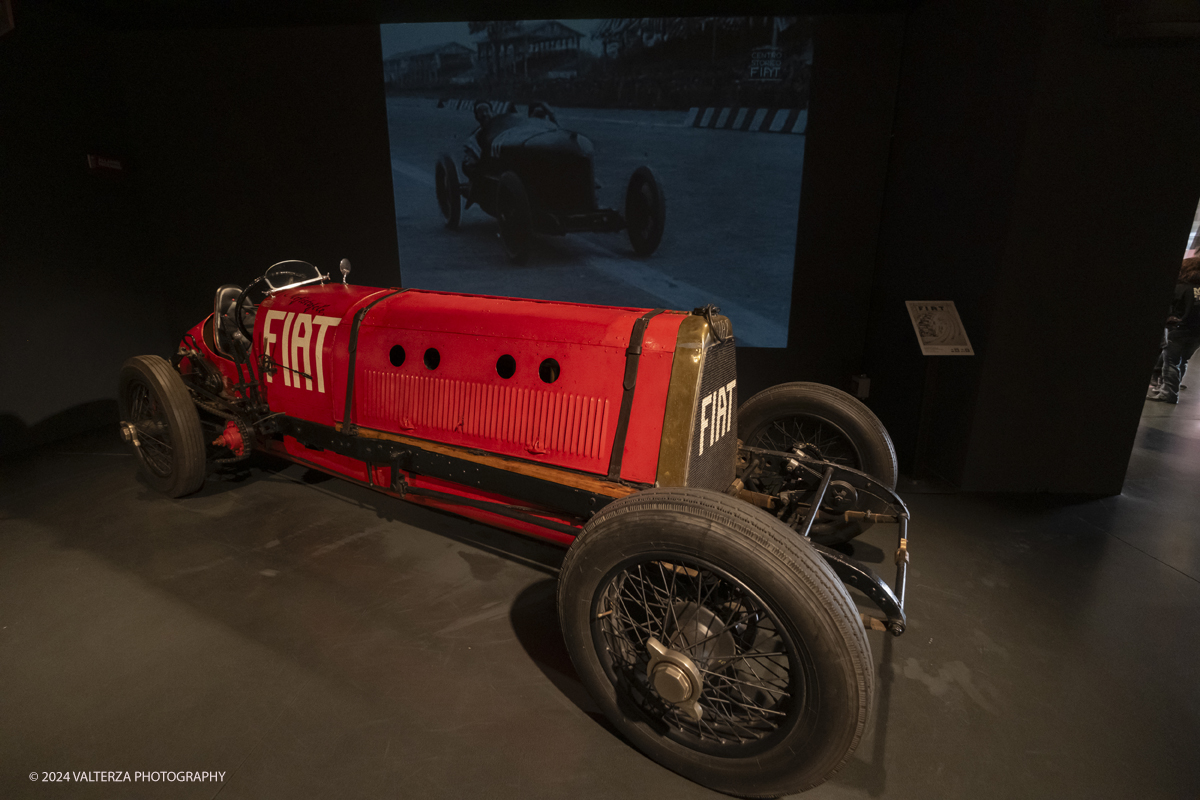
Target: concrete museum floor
{"points": [[309, 638]]}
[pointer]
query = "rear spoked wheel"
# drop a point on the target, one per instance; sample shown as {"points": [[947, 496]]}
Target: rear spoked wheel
{"points": [[717, 641], [826, 424]]}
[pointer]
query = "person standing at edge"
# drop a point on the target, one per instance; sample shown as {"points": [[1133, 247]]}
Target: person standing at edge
{"points": [[1181, 337]]}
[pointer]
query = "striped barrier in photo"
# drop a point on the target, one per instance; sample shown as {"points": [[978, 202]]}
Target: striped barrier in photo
{"points": [[755, 120]]}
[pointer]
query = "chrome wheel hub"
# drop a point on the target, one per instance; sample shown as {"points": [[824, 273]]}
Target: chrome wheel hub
{"points": [[129, 434], [697, 652], [675, 677]]}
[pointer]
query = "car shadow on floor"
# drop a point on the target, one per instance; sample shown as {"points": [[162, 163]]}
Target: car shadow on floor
{"points": [[534, 618]]}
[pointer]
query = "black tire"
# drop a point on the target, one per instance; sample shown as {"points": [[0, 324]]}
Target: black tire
{"points": [[515, 217], [645, 211], [758, 585], [155, 402], [831, 425], [449, 197]]}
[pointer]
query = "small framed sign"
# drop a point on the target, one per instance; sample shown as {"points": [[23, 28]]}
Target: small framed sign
{"points": [[104, 165], [938, 328]]}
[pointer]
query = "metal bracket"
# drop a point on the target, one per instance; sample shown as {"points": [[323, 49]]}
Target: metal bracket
{"points": [[818, 499], [863, 578], [399, 485]]}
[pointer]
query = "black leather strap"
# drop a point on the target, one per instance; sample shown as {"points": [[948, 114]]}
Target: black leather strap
{"points": [[348, 425], [632, 355]]}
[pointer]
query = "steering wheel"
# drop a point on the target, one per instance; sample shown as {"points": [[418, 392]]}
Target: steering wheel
{"points": [[245, 309]]}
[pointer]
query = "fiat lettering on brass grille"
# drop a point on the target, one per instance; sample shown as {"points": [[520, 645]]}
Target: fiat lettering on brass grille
{"points": [[716, 415]]}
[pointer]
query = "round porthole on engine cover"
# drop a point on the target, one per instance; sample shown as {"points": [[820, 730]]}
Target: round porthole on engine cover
{"points": [[506, 366]]}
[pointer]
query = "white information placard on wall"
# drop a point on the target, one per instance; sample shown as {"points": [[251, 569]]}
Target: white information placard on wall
{"points": [[939, 328]]}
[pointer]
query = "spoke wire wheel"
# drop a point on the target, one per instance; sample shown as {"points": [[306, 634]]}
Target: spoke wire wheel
{"points": [[785, 667], [755, 675], [818, 438], [156, 403], [826, 424], [147, 415], [515, 218], [645, 211], [446, 182]]}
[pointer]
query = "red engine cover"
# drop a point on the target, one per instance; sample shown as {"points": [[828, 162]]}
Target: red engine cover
{"points": [[429, 365]]}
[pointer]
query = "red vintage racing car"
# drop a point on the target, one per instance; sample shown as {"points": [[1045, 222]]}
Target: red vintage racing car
{"points": [[700, 598]]}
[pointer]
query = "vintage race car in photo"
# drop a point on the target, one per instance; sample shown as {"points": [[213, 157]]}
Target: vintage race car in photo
{"points": [[534, 176], [701, 597]]}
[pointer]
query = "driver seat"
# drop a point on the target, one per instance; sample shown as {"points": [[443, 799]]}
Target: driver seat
{"points": [[225, 330]]}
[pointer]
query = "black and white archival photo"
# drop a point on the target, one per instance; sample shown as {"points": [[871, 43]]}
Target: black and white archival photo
{"points": [[632, 162]]}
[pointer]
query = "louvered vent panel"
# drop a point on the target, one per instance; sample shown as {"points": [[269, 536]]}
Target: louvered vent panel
{"points": [[552, 422]]}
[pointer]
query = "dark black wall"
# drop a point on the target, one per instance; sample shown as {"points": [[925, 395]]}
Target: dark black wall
{"points": [[255, 145], [241, 147], [1104, 201], [78, 271], [966, 85], [1044, 176]]}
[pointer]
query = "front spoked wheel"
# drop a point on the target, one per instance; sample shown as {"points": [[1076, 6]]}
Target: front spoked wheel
{"points": [[717, 641], [704, 655]]}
